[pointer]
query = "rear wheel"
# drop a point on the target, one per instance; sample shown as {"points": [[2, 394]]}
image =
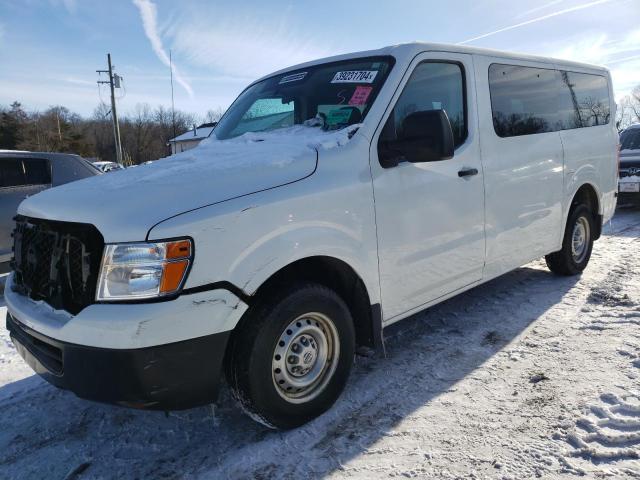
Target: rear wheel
{"points": [[576, 245], [291, 356]]}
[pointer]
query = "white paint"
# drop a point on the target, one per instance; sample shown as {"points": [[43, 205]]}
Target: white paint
{"points": [[131, 326]]}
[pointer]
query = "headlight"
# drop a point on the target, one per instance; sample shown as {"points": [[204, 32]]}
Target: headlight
{"points": [[132, 271]]}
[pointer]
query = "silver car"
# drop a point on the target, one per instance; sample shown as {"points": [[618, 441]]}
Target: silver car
{"points": [[23, 174]]}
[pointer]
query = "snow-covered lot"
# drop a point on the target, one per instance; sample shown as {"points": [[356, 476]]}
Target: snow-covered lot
{"points": [[530, 375]]}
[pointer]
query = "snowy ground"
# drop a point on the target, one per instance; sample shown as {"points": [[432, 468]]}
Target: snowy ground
{"points": [[531, 375]]}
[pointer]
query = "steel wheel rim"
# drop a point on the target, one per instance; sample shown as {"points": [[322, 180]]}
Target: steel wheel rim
{"points": [[305, 357], [580, 239]]}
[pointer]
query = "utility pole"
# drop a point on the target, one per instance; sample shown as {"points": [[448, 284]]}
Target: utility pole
{"points": [[173, 108], [113, 79]]}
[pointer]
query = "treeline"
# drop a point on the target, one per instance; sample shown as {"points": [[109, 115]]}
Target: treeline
{"points": [[144, 132]]}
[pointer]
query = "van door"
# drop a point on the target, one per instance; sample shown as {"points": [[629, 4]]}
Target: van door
{"points": [[430, 216], [523, 160]]}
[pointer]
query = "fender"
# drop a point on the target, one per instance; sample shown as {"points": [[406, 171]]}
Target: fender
{"points": [[244, 241], [584, 176]]}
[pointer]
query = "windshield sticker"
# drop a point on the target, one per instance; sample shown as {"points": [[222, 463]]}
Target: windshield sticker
{"points": [[355, 76], [296, 77], [339, 117], [360, 96]]}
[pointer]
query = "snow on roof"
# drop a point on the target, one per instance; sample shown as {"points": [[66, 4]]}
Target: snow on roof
{"points": [[199, 134]]}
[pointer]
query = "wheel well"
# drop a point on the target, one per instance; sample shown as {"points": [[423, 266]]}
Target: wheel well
{"points": [[586, 195], [340, 277]]}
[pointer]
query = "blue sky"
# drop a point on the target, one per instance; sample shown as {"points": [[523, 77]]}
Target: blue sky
{"points": [[50, 49]]}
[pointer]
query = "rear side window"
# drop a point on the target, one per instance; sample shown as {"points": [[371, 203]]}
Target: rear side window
{"points": [[630, 139], [527, 100], [435, 86], [584, 100]]}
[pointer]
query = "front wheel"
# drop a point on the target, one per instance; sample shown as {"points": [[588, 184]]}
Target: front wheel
{"points": [[576, 245], [291, 357]]}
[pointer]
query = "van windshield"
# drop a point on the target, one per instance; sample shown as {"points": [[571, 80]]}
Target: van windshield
{"points": [[329, 96]]}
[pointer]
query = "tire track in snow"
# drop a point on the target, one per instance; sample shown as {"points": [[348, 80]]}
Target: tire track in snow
{"points": [[607, 434]]}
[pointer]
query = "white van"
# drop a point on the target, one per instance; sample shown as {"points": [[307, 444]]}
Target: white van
{"points": [[333, 199]]}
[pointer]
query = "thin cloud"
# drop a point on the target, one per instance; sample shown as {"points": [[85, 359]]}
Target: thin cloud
{"points": [[537, 19], [538, 8], [243, 45], [149, 16], [70, 5], [621, 54]]}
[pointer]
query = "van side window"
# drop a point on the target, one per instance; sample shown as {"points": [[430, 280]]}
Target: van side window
{"points": [[11, 173], [527, 100], [584, 101], [435, 86], [523, 100]]}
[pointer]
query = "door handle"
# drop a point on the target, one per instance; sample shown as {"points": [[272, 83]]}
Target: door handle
{"points": [[467, 172]]}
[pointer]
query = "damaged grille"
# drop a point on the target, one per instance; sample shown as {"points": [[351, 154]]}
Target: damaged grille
{"points": [[57, 262]]}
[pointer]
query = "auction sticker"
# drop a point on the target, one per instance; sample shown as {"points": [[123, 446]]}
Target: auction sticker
{"points": [[360, 96], [338, 117], [355, 76]]}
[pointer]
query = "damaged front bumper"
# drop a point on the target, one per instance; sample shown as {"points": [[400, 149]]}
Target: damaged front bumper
{"points": [[163, 355]]}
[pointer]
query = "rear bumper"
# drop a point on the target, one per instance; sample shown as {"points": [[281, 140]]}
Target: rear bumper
{"points": [[166, 377]]}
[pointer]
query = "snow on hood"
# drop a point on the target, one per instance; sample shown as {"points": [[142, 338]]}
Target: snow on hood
{"points": [[125, 204]]}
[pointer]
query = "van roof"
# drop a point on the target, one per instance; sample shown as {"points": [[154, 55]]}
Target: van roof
{"points": [[410, 50]]}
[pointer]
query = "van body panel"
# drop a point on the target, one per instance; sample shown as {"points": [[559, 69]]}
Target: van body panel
{"points": [[430, 237], [246, 240], [523, 184]]}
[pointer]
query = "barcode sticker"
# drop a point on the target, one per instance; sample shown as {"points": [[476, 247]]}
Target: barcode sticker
{"points": [[355, 76]]}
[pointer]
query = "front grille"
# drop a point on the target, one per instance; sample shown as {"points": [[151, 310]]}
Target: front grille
{"points": [[630, 172], [57, 262]]}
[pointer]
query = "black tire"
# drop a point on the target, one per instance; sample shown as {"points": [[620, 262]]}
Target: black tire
{"points": [[564, 262], [250, 368]]}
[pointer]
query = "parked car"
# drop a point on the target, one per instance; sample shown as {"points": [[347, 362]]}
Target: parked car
{"points": [[108, 166], [629, 183], [26, 173], [338, 197]]}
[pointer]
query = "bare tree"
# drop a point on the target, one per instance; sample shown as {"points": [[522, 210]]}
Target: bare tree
{"points": [[629, 109]]}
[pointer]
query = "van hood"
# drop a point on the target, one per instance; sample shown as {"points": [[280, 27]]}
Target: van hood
{"points": [[124, 205]]}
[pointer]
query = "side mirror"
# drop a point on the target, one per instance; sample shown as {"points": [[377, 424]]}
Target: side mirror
{"points": [[426, 136]]}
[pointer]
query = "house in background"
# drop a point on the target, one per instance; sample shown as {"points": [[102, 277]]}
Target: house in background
{"points": [[191, 138]]}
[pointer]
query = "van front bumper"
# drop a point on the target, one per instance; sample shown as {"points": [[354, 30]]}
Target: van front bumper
{"points": [[161, 355], [166, 377]]}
